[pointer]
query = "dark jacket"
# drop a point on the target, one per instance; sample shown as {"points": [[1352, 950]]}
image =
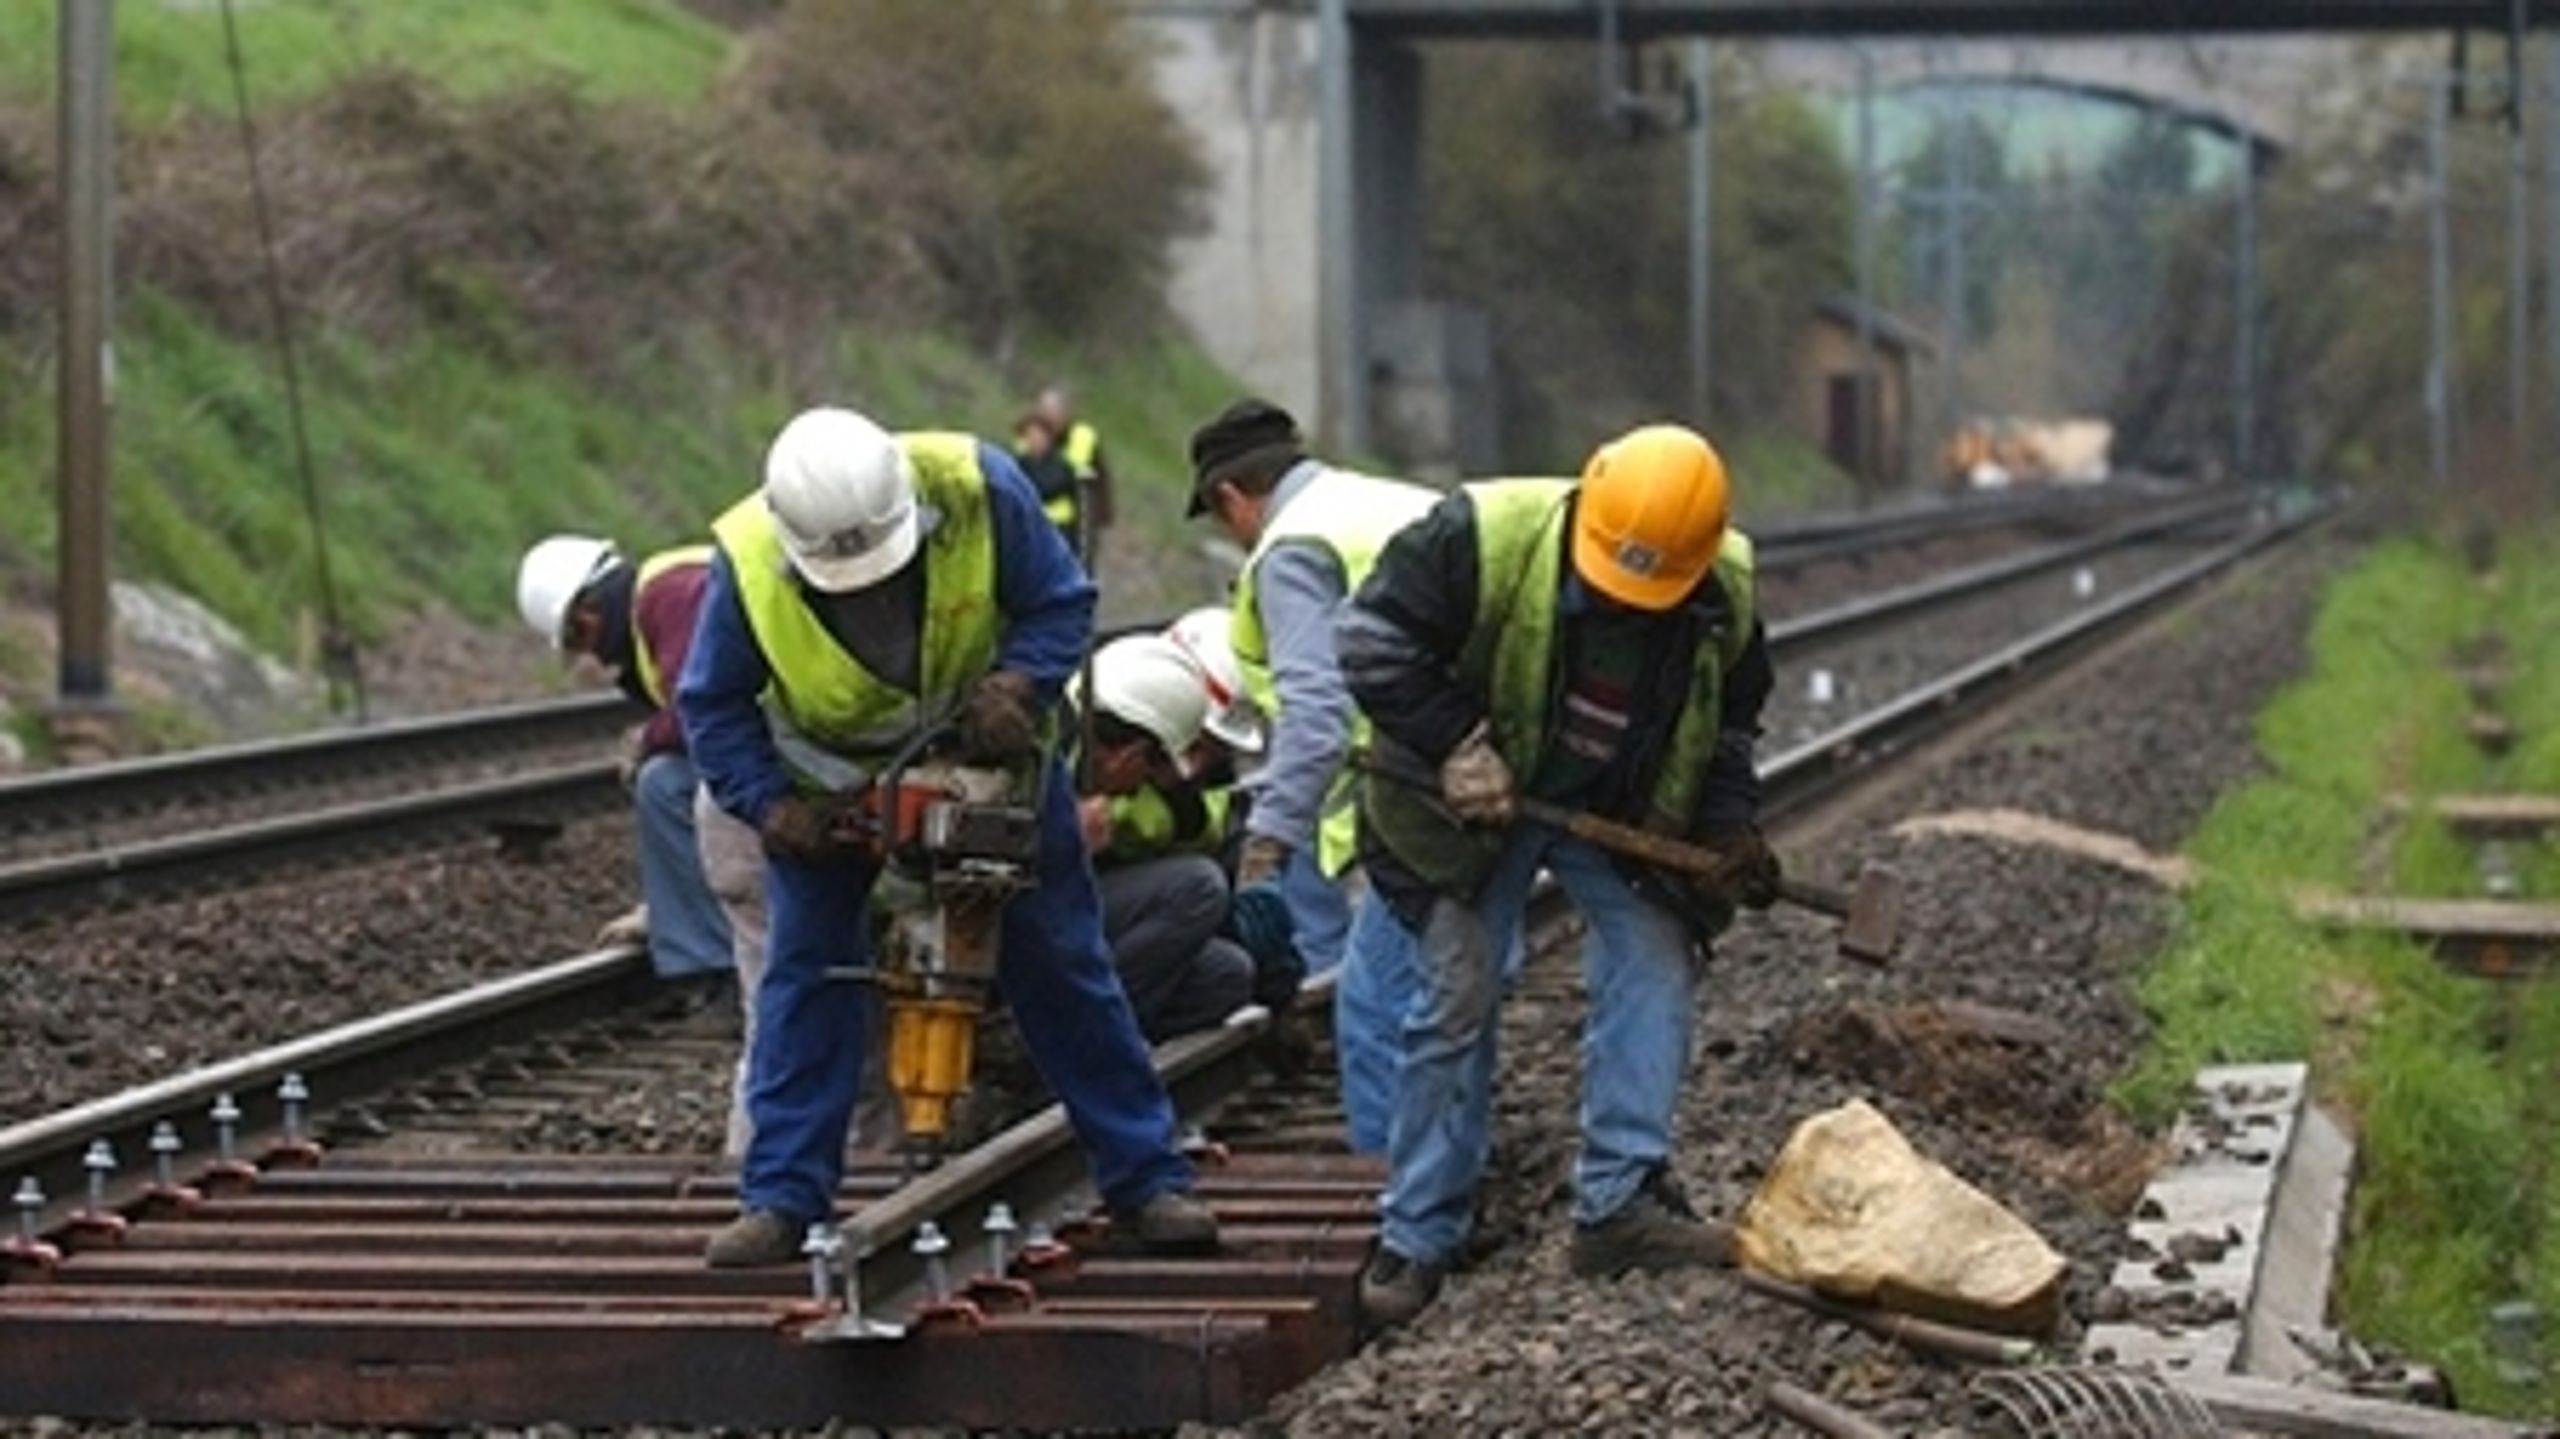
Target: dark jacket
{"points": [[1400, 638]]}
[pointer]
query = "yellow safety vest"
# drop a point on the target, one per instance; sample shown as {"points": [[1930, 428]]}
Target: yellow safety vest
{"points": [[653, 680], [1510, 662], [1081, 447], [818, 688], [1351, 516]]}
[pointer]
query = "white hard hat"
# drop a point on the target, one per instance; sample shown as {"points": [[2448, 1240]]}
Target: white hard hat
{"points": [[1145, 681], [843, 493], [1203, 636], [552, 576]]}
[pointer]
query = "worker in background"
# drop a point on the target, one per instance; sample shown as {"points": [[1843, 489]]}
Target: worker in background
{"points": [[1311, 533], [1154, 837], [875, 583], [583, 597], [1063, 456], [1596, 646], [1035, 449]]}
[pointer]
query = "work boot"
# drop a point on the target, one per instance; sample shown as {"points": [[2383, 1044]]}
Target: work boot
{"points": [[1393, 1288], [1172, 1221], [756, 1239], [1654, 1231]]}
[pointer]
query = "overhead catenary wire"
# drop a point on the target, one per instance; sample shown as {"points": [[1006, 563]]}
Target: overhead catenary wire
{"points": [[338, 657]]}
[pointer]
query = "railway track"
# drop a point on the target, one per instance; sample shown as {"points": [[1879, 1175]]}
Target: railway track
{"points": [[431, 1276], [146, 833]]}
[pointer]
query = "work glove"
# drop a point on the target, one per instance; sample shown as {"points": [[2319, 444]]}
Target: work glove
{"points": [[629, 927], [1000, 724], [1260, 861], [633, 754], [1474, 781], [801, 827], [1748, 869], [1259, 920]]}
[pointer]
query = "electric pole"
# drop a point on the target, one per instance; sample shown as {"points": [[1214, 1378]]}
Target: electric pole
{"points": [[85, 711]]}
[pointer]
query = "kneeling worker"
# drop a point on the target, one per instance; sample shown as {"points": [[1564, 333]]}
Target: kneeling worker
{"points": [[1155, 837], [1593, 645], [875, 584]]}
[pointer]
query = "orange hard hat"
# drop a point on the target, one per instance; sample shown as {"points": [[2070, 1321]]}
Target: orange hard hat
{"points": [[1651, 516]]}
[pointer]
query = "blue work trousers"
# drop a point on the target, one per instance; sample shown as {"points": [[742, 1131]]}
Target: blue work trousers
{"points": [[1319, 910], [1378, 984], [1635, 1043], [1057, 981], [687, 932]]}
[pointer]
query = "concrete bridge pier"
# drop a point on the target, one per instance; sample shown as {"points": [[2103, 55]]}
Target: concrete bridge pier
{"points": [[1308, 282]]}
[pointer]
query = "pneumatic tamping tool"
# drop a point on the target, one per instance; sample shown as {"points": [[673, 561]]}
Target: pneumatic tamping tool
{"points": [[956, 843]]}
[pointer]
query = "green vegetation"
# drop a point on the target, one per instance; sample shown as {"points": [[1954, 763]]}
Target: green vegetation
{"points": [[2449, 1079], [439, 461], [170, 61], [566, 264]]}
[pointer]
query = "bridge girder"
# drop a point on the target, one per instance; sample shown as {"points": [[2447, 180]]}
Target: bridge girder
{"points": [[1532, 19]]}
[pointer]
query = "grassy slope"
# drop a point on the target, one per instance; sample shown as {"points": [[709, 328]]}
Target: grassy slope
{"points": [[2449, 1079], [170, 59], [439, 463]]}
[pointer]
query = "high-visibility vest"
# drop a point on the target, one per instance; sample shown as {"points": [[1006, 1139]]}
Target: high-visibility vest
{"points": [[1081, 447], [1509, 660], [653, 676], [818, 688], [1351, 516]]}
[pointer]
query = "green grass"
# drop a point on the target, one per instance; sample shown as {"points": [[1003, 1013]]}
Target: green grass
{"points": [[438, 462], [170, 59], [2449, 1079]]}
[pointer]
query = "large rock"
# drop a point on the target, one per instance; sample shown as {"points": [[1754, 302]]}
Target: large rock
{"points": [[1852, 1210]]}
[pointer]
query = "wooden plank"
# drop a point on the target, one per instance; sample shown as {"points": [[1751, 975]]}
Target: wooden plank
{"points": [[2430, 919], [2263, 1406], [2497, 939], [2492, 732], [2487, 816]]}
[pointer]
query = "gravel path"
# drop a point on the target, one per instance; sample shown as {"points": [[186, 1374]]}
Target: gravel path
{"points": [[1787, 1029]]}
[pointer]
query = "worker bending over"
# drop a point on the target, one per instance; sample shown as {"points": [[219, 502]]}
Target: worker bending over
{"points": [[1155, 833], [1596, 646], [873, 586], [1312, 532], [582, 596]]}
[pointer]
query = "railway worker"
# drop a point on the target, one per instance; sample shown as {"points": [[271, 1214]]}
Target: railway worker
{"points": [[581, 595], [1154, 834], [873, 580], [1070, 469], [1594, 645], [1311, 533]]}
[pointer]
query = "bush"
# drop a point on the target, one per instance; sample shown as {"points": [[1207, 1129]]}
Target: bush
{"points": [[1045, 177]]}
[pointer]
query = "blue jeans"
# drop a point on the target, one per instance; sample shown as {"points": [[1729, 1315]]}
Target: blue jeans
{"points": [[687, 932], [1377, 986], [1057, 981], [1319, 912], [1635, 1043]]}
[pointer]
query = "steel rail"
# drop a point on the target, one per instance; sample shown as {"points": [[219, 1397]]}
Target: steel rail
{"points": [[1820, 764], [1785, 545], [65, 798], [1862, 611], [348, 1060], [122, 872]]}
